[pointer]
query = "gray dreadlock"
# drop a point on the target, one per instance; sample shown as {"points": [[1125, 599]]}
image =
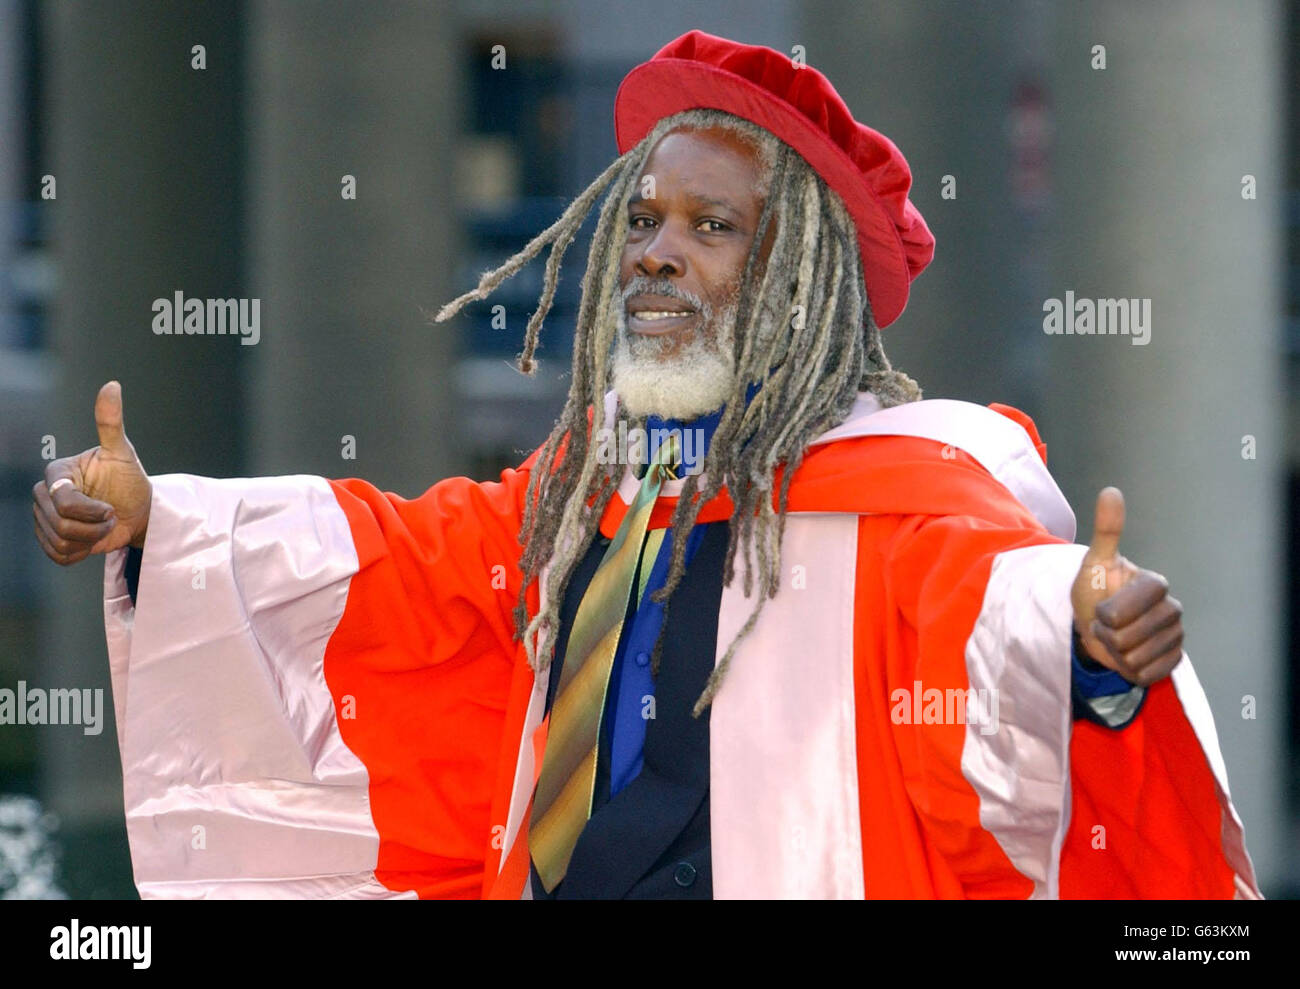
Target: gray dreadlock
{"points": [[808, 377]]}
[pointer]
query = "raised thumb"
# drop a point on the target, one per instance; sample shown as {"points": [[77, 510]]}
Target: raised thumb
{"points": [[1108, 524], [108, 419]]}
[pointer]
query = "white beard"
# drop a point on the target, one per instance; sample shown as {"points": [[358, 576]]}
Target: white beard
{"points": [[697, 380]]}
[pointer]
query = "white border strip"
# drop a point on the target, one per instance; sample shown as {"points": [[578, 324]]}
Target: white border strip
{"points": [[783, 760]]}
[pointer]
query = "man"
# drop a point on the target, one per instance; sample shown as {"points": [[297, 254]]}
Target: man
{"points": [[816, 638]]}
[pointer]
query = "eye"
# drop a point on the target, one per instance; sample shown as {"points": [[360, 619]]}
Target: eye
{"points": [[636, 219], [718, 226]]}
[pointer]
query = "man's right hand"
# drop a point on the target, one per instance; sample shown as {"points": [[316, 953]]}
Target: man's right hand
{"points": [[104, 503]]}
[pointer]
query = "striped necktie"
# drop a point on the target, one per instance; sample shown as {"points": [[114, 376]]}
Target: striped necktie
{"points": [[565, 789]]}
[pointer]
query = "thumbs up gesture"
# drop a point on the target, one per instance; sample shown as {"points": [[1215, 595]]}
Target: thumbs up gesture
{"points": [[1124, 614], [99, 500]]}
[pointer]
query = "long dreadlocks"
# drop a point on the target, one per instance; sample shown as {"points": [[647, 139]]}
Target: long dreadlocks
{"points": [[811, 288]]}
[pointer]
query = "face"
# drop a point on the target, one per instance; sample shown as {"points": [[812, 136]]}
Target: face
{"points": [[688, 239]]}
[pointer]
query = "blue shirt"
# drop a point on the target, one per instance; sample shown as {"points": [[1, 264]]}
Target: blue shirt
{"points": [[632, 685]]}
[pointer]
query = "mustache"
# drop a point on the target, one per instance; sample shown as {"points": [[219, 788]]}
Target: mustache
{"points": [[643, 285]]}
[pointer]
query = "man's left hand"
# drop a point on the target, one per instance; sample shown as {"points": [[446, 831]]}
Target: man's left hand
{"points": [[1124, 614]]}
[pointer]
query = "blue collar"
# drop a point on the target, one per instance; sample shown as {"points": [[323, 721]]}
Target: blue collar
{"points": [[693, 449]]}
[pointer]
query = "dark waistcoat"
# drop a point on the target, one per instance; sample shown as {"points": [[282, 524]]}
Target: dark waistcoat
{"points": [[651, 840]]}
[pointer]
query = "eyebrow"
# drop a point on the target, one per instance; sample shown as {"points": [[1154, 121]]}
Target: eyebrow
{"points": [[697, 199]]}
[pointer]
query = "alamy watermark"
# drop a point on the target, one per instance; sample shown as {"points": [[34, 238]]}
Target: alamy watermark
{"points": [[179, 316], [953, 706], [622, 445], [55, 706], [1099, 317], [102, 943]]}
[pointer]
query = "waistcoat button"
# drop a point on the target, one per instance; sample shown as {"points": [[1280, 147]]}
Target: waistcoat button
{"points": [[684, 874]]}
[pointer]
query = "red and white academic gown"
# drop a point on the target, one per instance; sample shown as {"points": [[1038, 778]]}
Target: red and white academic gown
{"points": [[318, 692]]}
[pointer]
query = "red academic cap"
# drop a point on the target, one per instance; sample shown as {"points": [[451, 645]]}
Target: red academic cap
{"points": [[800, 106]]}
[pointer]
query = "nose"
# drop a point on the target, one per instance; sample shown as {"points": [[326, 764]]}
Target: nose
{"points": [[661, 256]]}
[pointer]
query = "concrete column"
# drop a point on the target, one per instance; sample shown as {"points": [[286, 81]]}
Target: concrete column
{"points": [[337, 91], [938, 78], [1152, 151]]}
